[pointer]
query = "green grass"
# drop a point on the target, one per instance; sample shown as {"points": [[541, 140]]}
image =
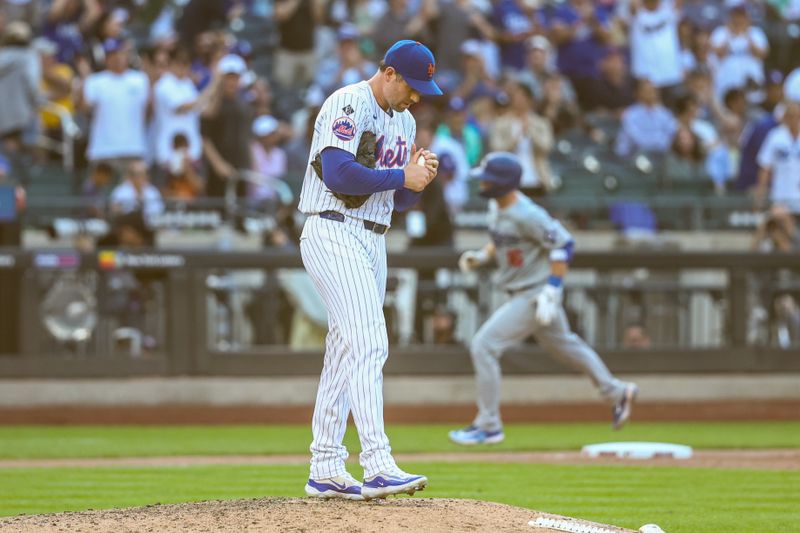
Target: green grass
{"points": [[17, 442], [680, 500]]}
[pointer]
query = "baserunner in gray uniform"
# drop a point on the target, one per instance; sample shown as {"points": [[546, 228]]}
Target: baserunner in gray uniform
{"points": [[532, 252]]}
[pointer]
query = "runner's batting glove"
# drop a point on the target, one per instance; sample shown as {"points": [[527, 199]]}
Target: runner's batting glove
{"points": [[472, 259], [548, 301]]}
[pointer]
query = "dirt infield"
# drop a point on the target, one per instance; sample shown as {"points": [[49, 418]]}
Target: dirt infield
{"points": [[756, 459], [295, 515], [390, 516]]}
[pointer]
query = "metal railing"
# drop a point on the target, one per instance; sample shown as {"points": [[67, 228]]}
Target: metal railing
{"points": [[131, 312], [65, 146]]}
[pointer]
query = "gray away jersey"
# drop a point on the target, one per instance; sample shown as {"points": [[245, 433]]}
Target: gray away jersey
{"points": [[523, 235], [344, 116]]}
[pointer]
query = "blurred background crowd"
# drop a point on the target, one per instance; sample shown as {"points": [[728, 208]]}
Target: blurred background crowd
{"points": [[143, 102], [145, 115]]}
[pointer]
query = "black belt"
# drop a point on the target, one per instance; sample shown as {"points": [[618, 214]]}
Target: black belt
{"points": [[368, 224]]}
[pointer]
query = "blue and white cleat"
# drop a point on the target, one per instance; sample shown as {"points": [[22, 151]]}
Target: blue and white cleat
{"points": [[622, 409], [345, 487], [473, 435], [390, 482]]}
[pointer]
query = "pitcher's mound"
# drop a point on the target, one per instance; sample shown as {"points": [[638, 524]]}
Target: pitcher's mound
{"points": [[297, 515]]}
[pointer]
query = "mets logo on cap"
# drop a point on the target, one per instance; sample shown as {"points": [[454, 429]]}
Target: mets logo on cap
{"points": [[344, 128]]}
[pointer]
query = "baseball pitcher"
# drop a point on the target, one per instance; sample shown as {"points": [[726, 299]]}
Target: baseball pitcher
{"points": [[363, 164], [532, 252]]}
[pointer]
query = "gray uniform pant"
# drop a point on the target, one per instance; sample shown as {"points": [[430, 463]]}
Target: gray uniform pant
{"points": [[510, 324]]}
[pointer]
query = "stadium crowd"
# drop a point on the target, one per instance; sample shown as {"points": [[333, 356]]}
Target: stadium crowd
{"points": [[152, 104], [698, 85]]}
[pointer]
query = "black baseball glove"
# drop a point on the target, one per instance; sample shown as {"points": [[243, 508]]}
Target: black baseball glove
{"points": [[365, 155]]}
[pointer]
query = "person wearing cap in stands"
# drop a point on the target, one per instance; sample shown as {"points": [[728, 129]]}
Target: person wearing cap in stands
{"points": [[465, 133], [773, 91], [347, 66], [225, 127], [118, 98], [349, 209], [476, 79], [540, 67], [269, 160], [19, 82]]}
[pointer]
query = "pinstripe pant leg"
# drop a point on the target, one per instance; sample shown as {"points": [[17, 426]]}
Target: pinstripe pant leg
{"points": [[329, 423], [341, 261]]}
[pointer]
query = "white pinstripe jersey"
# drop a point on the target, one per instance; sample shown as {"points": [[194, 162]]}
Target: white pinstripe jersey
{"points": [[344, 116]]}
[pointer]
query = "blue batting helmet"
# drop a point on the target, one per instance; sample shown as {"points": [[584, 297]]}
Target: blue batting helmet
{"points": [[502, 171]]}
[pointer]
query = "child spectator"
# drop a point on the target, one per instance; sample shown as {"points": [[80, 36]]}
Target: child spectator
{"points": [[182, 176]]}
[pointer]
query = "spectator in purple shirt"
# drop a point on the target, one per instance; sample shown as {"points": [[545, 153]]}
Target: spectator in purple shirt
{"points": [[513, 25], [66, 24], [613, 90], [580, 31]]}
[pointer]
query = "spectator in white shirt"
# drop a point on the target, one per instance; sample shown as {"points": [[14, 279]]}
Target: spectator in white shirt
{"points": [[136, 193], [175, 108], [791, 87], [779, 162], [118, 98], [269, 161], [741, 49], [655, 47]]}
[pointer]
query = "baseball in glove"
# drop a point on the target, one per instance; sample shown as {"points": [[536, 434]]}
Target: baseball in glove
{"points": [[365, 155]]}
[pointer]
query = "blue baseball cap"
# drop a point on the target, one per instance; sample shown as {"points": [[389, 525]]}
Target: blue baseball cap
{"points": [[446, 163], [774, 77], [348, 32], [415, 62], [112, 45], [456, 104]]}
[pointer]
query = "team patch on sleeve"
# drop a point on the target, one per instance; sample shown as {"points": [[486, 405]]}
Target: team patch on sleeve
{"points": [[344, 128]]}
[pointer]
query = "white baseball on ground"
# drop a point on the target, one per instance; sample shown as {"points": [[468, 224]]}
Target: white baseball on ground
{"points": [[650, 528]]}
